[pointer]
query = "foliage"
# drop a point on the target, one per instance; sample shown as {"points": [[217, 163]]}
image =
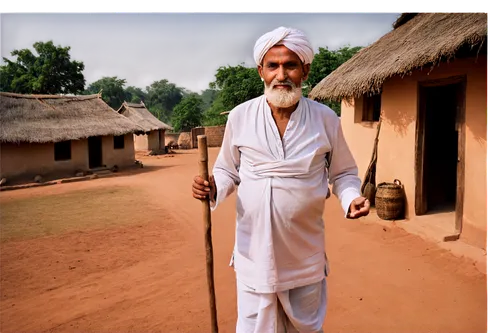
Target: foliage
{"points": [[160, 97], [212, 116], [233, 85], [188, 113], [236, 85], [112, 90], [325, 62], [163, 96], [49, 71], [135, 95], [208, 96]]}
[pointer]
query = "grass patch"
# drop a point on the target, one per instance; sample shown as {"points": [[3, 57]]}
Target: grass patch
{"points": [[55, 214]]}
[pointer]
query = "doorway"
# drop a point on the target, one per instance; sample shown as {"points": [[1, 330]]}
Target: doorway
{"points": [[440, 147], [95, 151]]}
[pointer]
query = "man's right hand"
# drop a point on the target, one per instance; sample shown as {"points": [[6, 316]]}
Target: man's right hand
{"points": [[202, 188]]}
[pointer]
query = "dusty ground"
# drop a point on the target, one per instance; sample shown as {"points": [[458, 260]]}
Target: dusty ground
{"points": [[126, 254]]}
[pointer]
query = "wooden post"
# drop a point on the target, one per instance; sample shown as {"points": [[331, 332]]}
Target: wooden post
{"points": [[203, 165]]}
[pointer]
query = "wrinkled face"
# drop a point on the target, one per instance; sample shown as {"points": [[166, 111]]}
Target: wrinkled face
{"points": [[283, 74]]}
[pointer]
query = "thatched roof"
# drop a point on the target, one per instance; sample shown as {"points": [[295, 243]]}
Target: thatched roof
{"points": [[54, 118], [418, 40], [142, 117]]}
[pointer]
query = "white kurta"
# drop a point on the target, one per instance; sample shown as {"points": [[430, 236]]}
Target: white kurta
{"points": [[279, 243]]}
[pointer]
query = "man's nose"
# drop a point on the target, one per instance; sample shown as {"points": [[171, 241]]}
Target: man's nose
{"points": [[281, 76]]}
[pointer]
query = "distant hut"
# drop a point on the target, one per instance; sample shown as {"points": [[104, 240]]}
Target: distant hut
{"points": [[55, 135], [153, 136], [427, 80]]}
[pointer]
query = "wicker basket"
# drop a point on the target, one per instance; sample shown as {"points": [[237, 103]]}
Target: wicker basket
{"points": [[390, 200]]}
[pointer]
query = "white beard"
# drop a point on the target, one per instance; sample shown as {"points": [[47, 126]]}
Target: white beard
{"points": [[282, 98]]}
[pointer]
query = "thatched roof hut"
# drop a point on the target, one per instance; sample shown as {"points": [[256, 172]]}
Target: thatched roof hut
{"points": [[53, 118], [417, 41], [140, 115]]}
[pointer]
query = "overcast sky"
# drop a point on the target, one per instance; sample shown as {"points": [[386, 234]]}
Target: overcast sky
{"points": [[185, 49]]}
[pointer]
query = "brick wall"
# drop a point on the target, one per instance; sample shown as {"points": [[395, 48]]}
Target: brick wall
{"points": [[214, 134]]}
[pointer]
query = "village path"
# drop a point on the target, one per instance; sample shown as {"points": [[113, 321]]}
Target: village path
{"points": [[150, 276]]}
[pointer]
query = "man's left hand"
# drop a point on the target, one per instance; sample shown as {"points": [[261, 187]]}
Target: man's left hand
{"points": [[359, 207]]}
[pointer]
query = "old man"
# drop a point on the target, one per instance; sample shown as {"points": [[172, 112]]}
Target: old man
{"points": [[282, 151]]}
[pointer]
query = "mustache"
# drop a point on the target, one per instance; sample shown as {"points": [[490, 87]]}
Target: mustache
{"points": [[282, 83]]}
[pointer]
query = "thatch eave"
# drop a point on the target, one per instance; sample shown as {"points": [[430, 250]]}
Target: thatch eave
{"points": [[55, 118], [140, 115], [421, 42]]}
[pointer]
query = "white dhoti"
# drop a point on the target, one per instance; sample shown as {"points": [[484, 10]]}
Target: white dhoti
{"points": [[299, 310]]}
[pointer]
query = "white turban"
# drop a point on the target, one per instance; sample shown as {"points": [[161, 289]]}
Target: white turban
{"points": [[293, 39]]}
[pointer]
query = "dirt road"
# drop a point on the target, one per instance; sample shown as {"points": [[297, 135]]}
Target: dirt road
{"points": [[148, 276]]}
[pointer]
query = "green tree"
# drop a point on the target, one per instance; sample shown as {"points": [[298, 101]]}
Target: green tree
{"points": [[233, 85], [185, 92], [325, 62], [236, 85], [188, 113], [49, 71], [212, 116], [135, 95], [162, 97], [212, 107], [156, 111], [6, 77], [112, 89], [208, 96]]}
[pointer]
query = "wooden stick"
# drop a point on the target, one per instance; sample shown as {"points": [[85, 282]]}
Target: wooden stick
{"points": [[203, 165], [369, 172]]}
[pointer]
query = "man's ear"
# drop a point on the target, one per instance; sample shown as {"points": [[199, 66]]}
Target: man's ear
{"points": [[306, 69], [259, 69]]}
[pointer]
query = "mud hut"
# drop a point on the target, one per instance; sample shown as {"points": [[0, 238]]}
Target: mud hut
{"points": [[426, 79], [153, 135], [51, 135]]}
